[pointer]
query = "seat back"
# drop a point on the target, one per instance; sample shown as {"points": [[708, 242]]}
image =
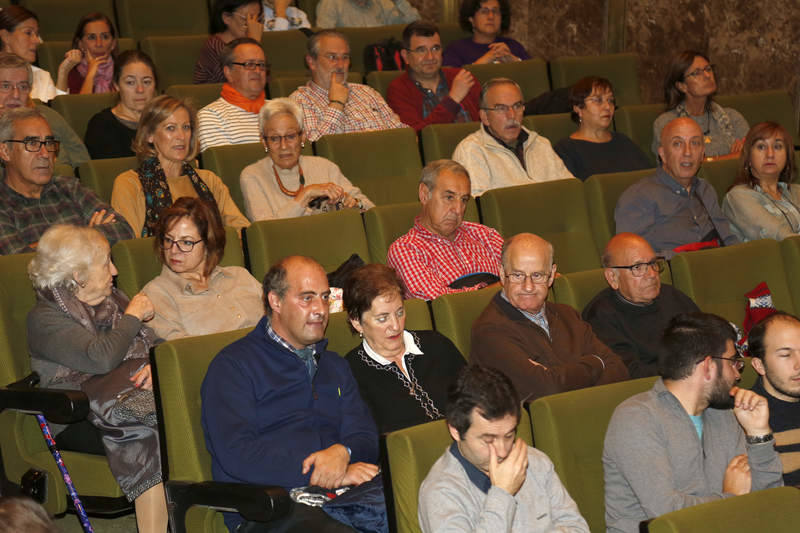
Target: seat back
{"points": [[62, 25], [198, 95], [137, 263], [554, 210], [174, 55], [553, 127], [579, 288], [99, 174], [451, 31], [620, 69], [775, 510], [453, 315], [774, 105], [360, 38], [149, 18], [602, 192], [285, 51], [283, 84], [720, 174], [77, 109], [380, 80], [412, 452], [570, 428], [636, 121], [530, 74], [718, 279], [330, 238], [790, 251], [51, 53], [385, 164], [439, 141]]}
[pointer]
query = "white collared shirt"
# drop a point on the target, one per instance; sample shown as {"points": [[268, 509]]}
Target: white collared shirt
{"points": [[411, 347]]}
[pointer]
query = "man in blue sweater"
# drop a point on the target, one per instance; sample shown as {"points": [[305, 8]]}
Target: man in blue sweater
{"points": [[280, 409]]}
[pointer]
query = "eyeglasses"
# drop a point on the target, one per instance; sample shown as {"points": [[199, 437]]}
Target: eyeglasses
{"points": [[243, 18], [488, 11], [252, 65], [708, 69], [423, 51], [184, 245], [598, 100], [7, 87], [736, 361], [32, 144], [276, 139], [503, 108], [537, 278], [640, 269]]}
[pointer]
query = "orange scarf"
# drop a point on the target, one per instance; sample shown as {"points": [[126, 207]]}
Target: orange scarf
{"points": [[234, 97]]}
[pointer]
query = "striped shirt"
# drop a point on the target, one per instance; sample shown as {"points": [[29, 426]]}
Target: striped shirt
{"points": [[427, 262], [221, 123], [365, 110]]}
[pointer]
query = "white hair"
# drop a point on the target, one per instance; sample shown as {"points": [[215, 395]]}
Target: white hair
{"points": [[276, 106], [64, 253]]}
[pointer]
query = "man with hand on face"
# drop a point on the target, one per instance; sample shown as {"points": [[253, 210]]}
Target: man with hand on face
{"points": [[427, 93], [503, 152], [489, 480], [636, 307], [233, 118], [674, 209], [332, 105], [694, 437], [280, 409]]}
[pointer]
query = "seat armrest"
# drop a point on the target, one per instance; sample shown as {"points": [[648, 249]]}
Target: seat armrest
{"points": [[57, 405], [256, 503]]}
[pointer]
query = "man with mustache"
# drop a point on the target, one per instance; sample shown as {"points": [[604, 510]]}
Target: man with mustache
{"points": [[332, 105], [427, 93], [694, 437], [442, 248], [233, 118], [502, 152], [636, 307], [31, 198], [544, 347]]}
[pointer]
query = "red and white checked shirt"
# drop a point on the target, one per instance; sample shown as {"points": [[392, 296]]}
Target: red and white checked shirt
{"points": [[427, 262], [365, 110]]}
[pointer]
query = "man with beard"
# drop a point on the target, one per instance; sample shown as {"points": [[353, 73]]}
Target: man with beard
{"points": [[502, 152], [774, 344], [694, 437]]}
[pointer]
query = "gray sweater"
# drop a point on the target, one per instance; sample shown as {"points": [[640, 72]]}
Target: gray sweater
{"points": [[654, 462]]}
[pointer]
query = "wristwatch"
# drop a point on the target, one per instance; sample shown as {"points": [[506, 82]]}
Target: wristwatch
{"points": [[759, 439]]}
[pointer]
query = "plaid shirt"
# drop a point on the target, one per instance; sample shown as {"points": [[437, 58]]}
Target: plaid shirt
{"points": [[365, 110], [64, 200], [427, 262], [307, 355], [431, 99]]}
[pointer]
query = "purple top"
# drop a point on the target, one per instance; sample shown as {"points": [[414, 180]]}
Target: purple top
{"points": [[466, 51]]}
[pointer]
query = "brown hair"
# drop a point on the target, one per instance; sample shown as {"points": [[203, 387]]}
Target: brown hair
{"points": [[94, 17], [677, 73], [157, 111], [760, 131], [584, 87], [13, 16], [367, 283], [205, 216]]}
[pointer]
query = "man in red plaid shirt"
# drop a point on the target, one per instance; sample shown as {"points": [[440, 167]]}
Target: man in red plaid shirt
{"points": [[442, 247]]}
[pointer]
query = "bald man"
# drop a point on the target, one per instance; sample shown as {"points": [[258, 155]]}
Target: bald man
{"points": [[674, 209], [632, 313], [543, 347]]}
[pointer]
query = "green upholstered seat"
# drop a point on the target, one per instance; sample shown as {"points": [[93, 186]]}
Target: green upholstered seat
{"points": [[385, 165], [51, 53], [775, 510], [58, 19], [553, 127], [620, 69], [453, 315], [284, 84], [380, 80], [790, 251], [21, 443], [150, 18], [530, 74], [636, 121], [554, 210], [198, 96], [285, 51], [77, 109], [720, 174], [63, 169], [718, 279], [310, 9], [578, 288], [360, 38], [412, 452], [440, 140], [99, 174], [138, 263], [570, 428], [602, 192], [330, 238], [451, 31], [171, 54], [773, 105], [385, 223]]}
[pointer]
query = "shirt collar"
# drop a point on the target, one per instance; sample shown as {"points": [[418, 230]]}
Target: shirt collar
{"points": [[184, 286], [283, 342], [429, 234], [410, 345], [533, 317], [478, 478], [521, 139], [664, 177]]}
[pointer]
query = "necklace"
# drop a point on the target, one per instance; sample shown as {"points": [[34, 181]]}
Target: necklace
{"points": [[779, 208], [283, 188], [706, 136]]}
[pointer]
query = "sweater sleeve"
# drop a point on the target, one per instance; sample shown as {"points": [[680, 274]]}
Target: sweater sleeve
{"points": [[469, 154], [127, 198], [405, 99], [89, 203]]}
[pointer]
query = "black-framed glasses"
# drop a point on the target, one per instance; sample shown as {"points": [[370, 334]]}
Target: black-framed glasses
{"points": [[276, 139], [640, 269], [252, 65], [737, 361], [184, 245], [423, 50], [503, 108], [708, 69], [32, 144], [537, 278]]}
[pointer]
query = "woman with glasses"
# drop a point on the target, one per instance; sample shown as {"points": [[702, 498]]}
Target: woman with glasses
{"points": [[286, 184], [762, 203], [193, 295], [165, 144], [688, 91], [486, 20], [594, 148], [230, 19]]}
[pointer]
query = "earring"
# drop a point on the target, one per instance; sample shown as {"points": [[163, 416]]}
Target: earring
{"points": [[361, 334], [266, 150], [303, 144]]}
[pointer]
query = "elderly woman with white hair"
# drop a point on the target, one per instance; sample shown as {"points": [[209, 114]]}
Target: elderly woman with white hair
{"points": [[286, 184], [84, 334]]}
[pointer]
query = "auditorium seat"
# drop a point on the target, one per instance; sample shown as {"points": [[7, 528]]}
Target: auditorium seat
{"points": [[577, 289], [554, 210], [58, 19], [720, 174], [620, 69], [451, 31], [531, 75], [282, 85], [285, 51], [77, 109], [790, 251], [360, 38], [174, 56], [151, 18], [384, 164], [380, 80], [99, 174], [602, 192], [439, 141], [453, 315], [636, 121], [553, 127], [198, 95], [762, 106]]}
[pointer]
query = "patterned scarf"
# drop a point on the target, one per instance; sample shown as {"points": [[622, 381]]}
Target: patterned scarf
{"points": [[156, 191], [718, 115], [103, 77]]}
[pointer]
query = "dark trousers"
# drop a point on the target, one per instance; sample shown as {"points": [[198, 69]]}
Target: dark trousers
{"points": [[301, 519]]}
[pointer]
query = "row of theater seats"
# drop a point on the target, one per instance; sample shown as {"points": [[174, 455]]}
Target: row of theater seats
{"points": [[568, 427]]}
